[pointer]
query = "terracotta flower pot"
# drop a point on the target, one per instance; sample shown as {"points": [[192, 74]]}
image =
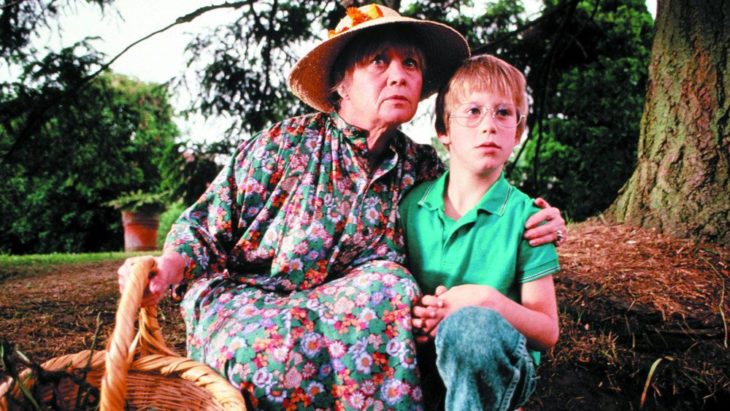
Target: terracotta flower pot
{"points": [[140, 230]]}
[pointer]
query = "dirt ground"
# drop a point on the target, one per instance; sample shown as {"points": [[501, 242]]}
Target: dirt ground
{"points": [[631, 301]]}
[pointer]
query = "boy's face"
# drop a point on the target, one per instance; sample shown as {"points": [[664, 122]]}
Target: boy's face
{"points": [[481, 146]]}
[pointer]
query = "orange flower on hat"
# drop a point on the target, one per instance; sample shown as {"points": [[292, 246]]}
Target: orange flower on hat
{"points": [[356, 16]]}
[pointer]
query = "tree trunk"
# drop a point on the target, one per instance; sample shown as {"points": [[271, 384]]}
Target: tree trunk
{"points": [[680, 184]]}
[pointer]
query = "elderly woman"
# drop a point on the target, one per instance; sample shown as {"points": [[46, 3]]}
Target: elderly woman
{"points": [[290, 266]]}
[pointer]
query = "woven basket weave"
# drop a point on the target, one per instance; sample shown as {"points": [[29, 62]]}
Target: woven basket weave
{"points": [[135, 372]]}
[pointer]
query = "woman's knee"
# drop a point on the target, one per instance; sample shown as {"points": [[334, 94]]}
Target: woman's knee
{"points": [[392, 278]]}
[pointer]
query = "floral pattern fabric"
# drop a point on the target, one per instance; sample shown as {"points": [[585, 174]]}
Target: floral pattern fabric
{"points": [[296, 290]]}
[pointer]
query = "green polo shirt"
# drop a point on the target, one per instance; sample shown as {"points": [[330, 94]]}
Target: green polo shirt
{"points": [[485, 246]]}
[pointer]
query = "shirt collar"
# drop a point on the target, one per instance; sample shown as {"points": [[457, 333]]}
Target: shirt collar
{"points": [[351, 132], [433, 198], [494, 200]]}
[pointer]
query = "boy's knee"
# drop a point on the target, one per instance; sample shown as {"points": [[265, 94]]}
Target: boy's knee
{"points": [[481, 354], [474, 332], [469, 323]]}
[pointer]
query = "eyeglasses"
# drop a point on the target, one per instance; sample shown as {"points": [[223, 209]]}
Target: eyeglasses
{"points": [[471, 115]]}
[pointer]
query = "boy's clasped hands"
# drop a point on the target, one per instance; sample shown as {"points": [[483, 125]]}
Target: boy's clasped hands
{"points": [[431, 309]]}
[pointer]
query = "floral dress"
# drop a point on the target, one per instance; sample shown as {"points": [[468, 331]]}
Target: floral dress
{"points": [[296, 289]]}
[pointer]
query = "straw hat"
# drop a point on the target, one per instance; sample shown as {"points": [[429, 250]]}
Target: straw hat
{"points": [[445, 50]]}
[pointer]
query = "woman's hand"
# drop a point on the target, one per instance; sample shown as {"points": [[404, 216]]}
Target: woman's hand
{"points": [[169, 272], [552, 231]]}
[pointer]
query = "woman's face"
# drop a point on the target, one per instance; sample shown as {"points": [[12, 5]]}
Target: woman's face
{"points": [[383, 90]]}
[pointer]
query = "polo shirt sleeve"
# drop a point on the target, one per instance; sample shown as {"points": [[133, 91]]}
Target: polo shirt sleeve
{"points": [[535, 262]]}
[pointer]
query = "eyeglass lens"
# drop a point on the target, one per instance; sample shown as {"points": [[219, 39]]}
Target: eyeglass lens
{"points": [[471, 115]]}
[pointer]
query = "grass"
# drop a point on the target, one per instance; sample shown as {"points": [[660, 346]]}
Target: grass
{"points": [[32, 265], [61, 258]]}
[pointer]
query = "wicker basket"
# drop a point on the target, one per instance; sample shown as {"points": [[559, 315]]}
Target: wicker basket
{"points": [[136, 372]]}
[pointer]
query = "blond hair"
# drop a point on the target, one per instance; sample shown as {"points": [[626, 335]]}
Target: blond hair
{"points": [[484, 73]]}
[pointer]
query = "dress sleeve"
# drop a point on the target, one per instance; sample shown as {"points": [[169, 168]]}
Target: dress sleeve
{"points": [[205, 233]]}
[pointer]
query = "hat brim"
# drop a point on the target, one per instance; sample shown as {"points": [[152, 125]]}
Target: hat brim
{"points": [[445, 50]]}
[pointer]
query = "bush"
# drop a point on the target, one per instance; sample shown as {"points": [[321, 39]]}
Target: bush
{"points": [[591, 102], [140, 202], [117, 137], [167, 219]]}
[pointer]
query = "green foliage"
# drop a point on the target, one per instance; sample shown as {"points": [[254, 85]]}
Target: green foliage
{"points": [[588, 105], [251, 57], [167, 219], [193, 171], [20, 19], [246, 79], [68, 146], [586, 63], [140, 202], [64, 162]]}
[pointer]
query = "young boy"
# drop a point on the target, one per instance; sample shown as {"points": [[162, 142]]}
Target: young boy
{"points": [[489, 303]]}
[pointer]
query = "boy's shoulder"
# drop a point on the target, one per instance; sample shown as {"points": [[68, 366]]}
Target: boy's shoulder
{"points": [[521, 203]]}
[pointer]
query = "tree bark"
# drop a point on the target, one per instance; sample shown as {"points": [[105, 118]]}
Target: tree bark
{"points": [[680, 184]]}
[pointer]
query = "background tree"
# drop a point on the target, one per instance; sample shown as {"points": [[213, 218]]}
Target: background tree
{"points": [[586, 63], [20, 19], [114, 138], [587, 70], [252, 56], [73, 137], [681, 184]]}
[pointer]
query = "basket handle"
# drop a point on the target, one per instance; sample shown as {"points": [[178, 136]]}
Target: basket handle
{"points": [[123, 345]]}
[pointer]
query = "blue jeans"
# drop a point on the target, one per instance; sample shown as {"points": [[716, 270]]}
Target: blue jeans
{"points": [[483, 362]]}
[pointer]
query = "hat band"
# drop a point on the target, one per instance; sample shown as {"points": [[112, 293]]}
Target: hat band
{"points": [[356, 16]]}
